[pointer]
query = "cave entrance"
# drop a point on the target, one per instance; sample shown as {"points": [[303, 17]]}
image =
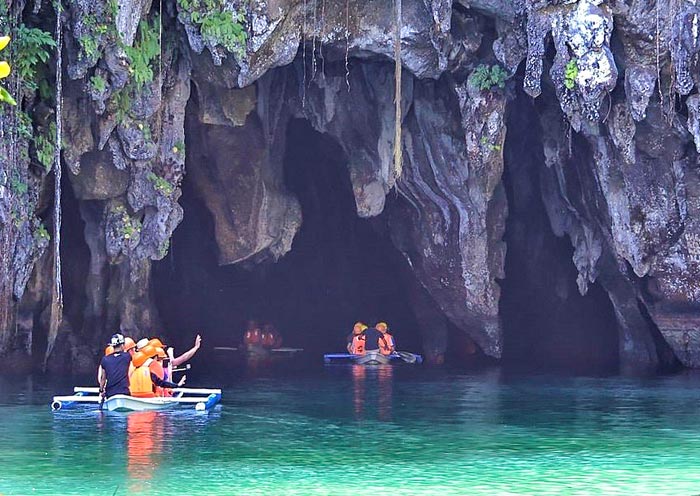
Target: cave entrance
{"points": [[341, 268], [548, 324]]}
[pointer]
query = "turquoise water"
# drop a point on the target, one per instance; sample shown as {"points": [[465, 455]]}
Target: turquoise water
{"points": [[343, 430]]}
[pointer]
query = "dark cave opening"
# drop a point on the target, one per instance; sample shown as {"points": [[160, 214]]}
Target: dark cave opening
{"points": [[341, 268], [547, 324]]}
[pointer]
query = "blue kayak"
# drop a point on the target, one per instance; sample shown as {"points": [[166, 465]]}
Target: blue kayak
{"points": [[373, 358]]}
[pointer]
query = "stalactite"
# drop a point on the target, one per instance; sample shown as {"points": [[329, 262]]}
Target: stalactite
{"points": [[323, 30], [347, 43], [303, 56], [313, 44], [398, 155], [57, 290]]}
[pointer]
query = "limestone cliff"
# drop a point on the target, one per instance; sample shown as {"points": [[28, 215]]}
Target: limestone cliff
{"points": [[617, 118]]}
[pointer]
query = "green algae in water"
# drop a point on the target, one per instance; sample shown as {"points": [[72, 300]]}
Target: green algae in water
{"points": [[335, 434]]}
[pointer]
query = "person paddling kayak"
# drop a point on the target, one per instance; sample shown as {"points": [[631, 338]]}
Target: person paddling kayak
{"points": [[112, 374]]}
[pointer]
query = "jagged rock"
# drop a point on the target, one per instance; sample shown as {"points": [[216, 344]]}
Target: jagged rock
{"points": [[99, 179], [619, 179]]}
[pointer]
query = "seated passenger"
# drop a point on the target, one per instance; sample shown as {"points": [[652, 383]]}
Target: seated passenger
{"points": [[142, 380], [386, 345], [356, 340], [372, 339], [251, 336]]}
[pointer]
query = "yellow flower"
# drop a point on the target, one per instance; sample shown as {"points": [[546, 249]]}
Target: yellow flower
{"points": [[4, 72]]}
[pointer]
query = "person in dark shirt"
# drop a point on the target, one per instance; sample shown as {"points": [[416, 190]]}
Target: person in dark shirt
{"points": [[372, 337], [112, 374]]}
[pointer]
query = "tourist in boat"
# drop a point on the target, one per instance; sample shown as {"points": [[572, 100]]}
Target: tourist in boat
{"points": [[356, 339], [143, 380], [112, 374], [129, 346], [252, 335], [372, 339], [270, 338], [386, 345], [186, 355], [142, 343]]}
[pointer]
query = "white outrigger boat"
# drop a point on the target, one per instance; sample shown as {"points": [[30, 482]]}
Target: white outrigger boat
{"points": [[202, 399]]}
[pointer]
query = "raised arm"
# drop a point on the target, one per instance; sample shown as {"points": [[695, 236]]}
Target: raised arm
{"points": [[188, 354]]}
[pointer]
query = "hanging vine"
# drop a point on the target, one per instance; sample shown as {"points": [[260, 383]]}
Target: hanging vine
{"points": [[398, 148], [303, 56], [347, 43], [56, 315]]}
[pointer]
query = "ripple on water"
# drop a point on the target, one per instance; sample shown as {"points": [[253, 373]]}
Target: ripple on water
{"points": [[362, 434]]}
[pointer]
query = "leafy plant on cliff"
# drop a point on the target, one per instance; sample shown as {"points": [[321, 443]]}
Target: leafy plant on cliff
{"points": [[486, 78], [145, 51], [160, 184], [218, 26], [179, 148], [32, 48], [45, 145], [40, 233], [570, 74], [130, 226], [98, 83]]}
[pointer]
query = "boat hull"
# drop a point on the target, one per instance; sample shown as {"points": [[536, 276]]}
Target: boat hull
{"points": [[373, 358], [123, 403], [201, 399]]}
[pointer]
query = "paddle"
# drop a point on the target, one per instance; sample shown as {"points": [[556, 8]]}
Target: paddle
{"points": [[406, 356], [102, 399]]}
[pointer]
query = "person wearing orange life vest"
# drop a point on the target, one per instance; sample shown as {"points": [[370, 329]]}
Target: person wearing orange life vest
{"points": [[356, 340], [142, 380], [386, 345], [252, 335], [374, 339]]}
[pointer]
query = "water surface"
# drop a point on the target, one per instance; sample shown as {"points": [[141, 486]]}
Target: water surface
{"points": [[355, 431]]}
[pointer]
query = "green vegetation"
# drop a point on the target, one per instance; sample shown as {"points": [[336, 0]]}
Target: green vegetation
{"points": [[219, 26], [571, 73], [130, 226], [40, 233], [45, 146], [492, 146], [24, 125], [90, 46], [145, 51], [31, 48], [179, 148], [160, 184], [145, 130], [18, 186], [98, 83], [486, 78]]}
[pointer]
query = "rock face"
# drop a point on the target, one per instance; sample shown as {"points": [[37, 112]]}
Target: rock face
{"points": [[618, 135]]}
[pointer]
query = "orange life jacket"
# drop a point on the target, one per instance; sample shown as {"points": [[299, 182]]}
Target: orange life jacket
{"points": [[140, 383], [386, 344], [358, 345], [268, 339], [252, 337]]}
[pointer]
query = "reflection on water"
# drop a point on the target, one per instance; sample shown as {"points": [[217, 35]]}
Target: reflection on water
{"points": [[144, 442], [365, 431], [372, 383]]}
